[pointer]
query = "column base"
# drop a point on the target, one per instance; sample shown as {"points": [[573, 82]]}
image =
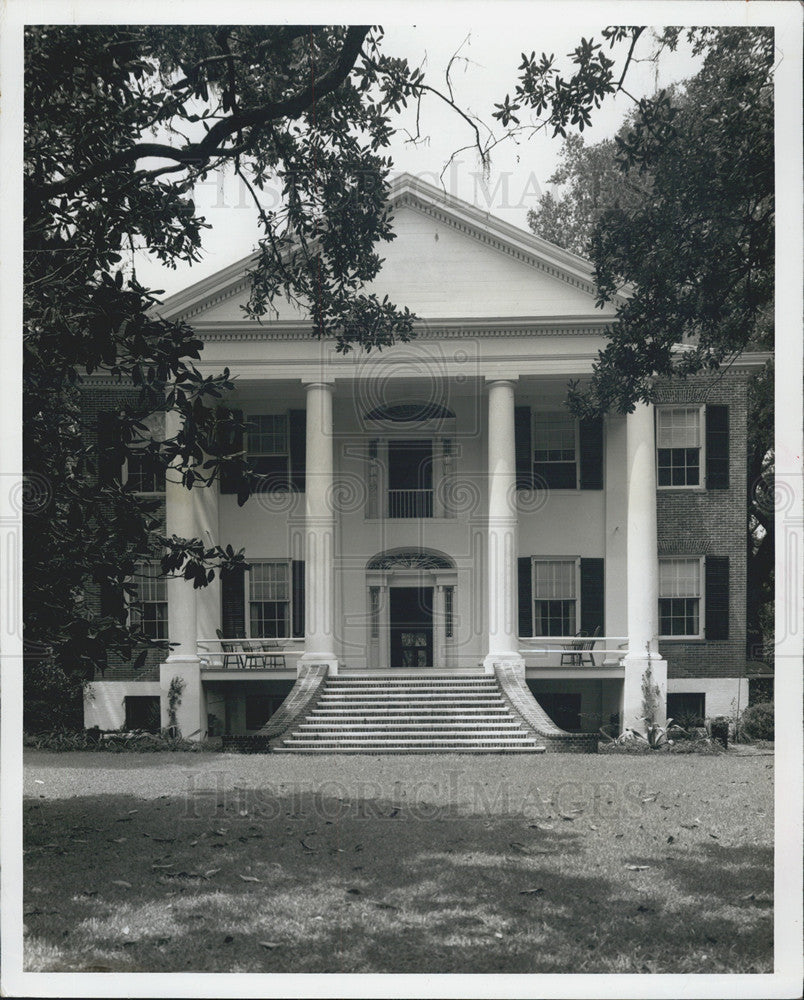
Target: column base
{"points": [[325, 659], [512, 661], [634, 694]]}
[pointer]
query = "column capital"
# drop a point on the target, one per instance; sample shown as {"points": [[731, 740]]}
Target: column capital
{"points": [[319, 383], [490, 380]]}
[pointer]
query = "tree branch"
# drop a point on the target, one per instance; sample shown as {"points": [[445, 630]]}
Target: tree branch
{"points": [[201, 152]]}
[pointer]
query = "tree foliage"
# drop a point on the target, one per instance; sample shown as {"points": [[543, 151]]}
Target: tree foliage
{"points": [[677, 210], [693, 262], [120, 124], [590, 180]]}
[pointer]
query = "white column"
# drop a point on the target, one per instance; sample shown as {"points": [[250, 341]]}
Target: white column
{"points": [[319, 567], [182, 664], [208, 599], [642, 570], [182, 613], [502, 529]]}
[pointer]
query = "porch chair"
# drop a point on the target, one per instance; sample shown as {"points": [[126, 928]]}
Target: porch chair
{"points": [[231, 651], [581, 650]]}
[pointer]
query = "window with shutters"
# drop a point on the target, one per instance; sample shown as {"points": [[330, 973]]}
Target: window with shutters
{"points": [[150, 611], [679, 446], [680, 598], [269, 600], [555, 596], [555, 449], [267, 447]]}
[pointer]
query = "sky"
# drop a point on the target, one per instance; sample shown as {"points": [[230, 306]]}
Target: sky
{"points": [[488, 50]]}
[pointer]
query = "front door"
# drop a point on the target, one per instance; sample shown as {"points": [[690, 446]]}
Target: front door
{"points": [[411, 627]]}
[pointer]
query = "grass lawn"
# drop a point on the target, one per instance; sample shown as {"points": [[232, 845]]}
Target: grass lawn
{"points": [[221, 863]]}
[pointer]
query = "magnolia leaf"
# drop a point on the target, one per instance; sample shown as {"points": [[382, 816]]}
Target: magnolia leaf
{"points": [[250, 878]]}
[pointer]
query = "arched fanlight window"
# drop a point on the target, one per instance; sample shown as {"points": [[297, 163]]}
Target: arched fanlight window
{"points": [[410, 559], [409, 412]]}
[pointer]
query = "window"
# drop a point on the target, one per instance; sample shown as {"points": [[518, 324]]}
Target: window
{"points": [[143, 712], [143, 472], [269, 600], [554, 450], [687, 708], [149, 612], [680, 598], [554, 597], [374, 600], [267, 446], [410, 479], [678, 446], [449, 612]]}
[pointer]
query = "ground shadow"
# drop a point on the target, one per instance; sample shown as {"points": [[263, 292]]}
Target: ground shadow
{"points": [[255, 880]]}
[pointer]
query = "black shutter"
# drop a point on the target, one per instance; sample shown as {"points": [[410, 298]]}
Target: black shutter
{"points": [[298, 449], [231, 441], [525, 588], [591, 442], [233, 604], [112, 604], [524, 452], [298, 598], [110, 458], [592, 606], [717, 447], [717, 597]]}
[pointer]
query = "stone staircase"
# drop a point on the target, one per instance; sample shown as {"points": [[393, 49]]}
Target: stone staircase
{"points": [[436, 714], [410, 715]]}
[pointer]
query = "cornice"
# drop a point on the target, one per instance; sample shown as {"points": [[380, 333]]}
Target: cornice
{"points": [[425, 330]]}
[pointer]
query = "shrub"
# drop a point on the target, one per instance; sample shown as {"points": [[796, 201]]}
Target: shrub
{"points": [[757, 722], [719, 729], [118, 742]]}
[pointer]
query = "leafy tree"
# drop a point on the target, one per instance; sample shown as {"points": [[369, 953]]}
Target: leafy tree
{"points": [[677, 210], [696, 258], [120, 124], [590, 180]]}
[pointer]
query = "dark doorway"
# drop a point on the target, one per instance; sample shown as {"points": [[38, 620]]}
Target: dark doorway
{"points": [[563, 708], [411, 627], [410, 479]]}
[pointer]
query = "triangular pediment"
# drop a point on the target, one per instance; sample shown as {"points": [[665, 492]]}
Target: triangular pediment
{"points": [[449, 259]]}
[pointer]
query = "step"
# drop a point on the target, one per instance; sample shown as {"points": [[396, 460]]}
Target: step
{"points": [[352, 685], [405, 744], [367, 732], [418, 695], [414, 740], [402, 698], [428, 724], [395, 711], [379, 751]]}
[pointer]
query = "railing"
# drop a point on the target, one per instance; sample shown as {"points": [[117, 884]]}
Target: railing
{"points": [[576, 650], [410, 503], [249, 654]]}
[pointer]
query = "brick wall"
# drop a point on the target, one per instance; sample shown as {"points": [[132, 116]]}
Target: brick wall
{"points": [[711, 522], [101, 396]]}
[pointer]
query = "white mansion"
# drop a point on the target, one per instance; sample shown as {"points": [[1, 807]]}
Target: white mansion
{"points": [[436, 521]]}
